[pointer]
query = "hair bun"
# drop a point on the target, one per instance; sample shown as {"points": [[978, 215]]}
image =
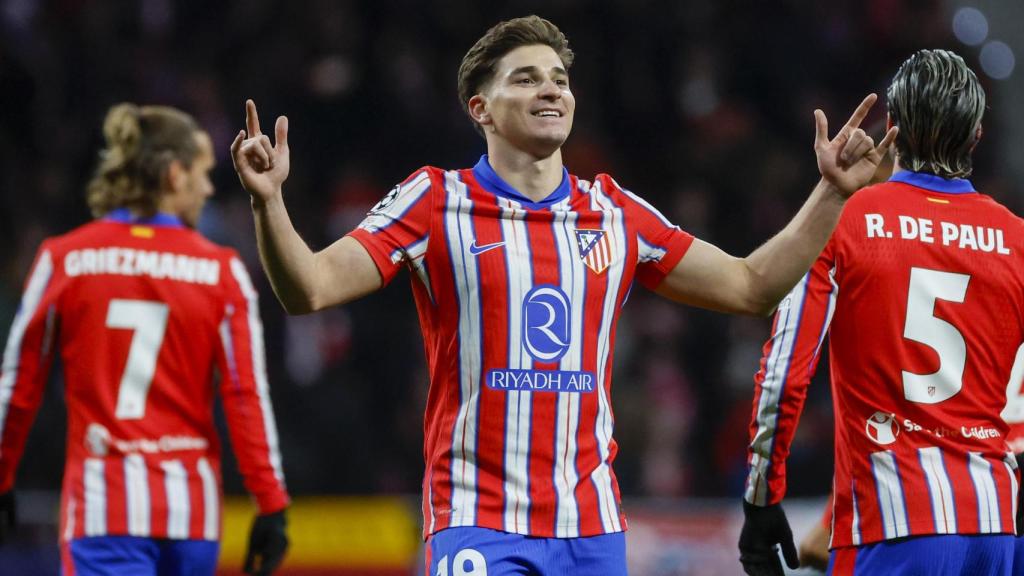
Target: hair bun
{"points": [[122, 129]]}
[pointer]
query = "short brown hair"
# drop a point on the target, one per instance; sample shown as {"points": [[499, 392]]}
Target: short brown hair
{"points": [[141, 142], [937, 102], [478, 65]]}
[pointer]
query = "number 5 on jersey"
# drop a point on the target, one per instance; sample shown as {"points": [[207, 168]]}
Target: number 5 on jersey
{"points": [[927, 286], [148, 320]]}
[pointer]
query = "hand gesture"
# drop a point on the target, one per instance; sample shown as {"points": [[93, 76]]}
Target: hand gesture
{"points": [[262, 168], [764, 528], [849, 160], [268, 542], [8, 515]]}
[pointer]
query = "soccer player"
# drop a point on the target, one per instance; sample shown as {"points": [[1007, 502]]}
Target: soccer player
{"points": [[920, 290], [519, 271], [143, 312]]}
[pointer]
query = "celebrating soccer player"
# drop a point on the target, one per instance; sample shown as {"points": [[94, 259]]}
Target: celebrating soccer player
{"points": [[142, 311], [922, 293], [519, 271]]}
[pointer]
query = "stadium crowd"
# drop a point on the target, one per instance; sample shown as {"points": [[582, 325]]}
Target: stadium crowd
{"points": [[703, 108]]}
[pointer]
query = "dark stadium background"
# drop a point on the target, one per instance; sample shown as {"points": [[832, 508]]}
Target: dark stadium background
{"points": [[702, 107]]}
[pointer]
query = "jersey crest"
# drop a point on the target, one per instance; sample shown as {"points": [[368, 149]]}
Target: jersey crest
{"points": [[595, 249]]}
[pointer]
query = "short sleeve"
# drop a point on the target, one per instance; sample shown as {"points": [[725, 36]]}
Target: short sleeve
{"points": [[396, 230], [660, 244]]}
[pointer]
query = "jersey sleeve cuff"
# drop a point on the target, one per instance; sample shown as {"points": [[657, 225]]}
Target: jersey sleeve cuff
{"points": [[677, 246], [387, 268]]}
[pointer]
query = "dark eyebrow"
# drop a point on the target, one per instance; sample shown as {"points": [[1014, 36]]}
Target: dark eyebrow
{"points": [[530, 69]]}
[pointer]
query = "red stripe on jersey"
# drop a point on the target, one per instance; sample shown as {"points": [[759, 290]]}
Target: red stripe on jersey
{"points": [[922, 295], [506, 453], [178, 290]]}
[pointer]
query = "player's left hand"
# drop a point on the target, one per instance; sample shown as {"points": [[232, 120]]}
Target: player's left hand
{"points": [[268, 542], [850, 160], [764, 528], [8, 515]]}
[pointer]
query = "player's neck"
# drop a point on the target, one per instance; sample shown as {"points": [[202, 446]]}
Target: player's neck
{"points": [[535, 178]]}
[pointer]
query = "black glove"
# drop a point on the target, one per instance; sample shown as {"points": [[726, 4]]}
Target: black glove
{"points": [[1020, 497], [763, 528], [8, 515], [267, 544]]}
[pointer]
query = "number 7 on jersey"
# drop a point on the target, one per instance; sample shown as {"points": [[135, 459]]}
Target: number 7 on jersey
{"points": [[148, 320]]}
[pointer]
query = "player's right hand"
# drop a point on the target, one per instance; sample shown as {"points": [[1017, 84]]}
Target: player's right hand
{"points": [[8, 515], [850, 159], [262, 167], [764, 528]]}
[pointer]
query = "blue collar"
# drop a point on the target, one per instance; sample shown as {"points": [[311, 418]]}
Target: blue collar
{"points": [[933, 182], [493, 183], [125, 216]]}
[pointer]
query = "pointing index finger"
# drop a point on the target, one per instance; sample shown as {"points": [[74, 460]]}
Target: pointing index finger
{"points": [[860, 113], [252, 119]]}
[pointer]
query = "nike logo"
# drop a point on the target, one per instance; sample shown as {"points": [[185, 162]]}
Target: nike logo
{"points": [[478, 250]]}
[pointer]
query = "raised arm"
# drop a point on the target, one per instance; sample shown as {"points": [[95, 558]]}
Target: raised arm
{"points": [[710, 278], [303, 281]]}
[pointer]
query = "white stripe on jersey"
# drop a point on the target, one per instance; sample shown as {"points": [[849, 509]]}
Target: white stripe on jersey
{"points": [[890, 494], [34, 289], [69, 520], [519, 270], [416, 252], [1011, 464], [95, 497], [647, 252], [787, 329], [985, 488], [459, 233], [405, 198], [259, 365], [178, 504], [855, 527], [830, 309], [211, 501], [943, 511], [136, 488], [573, 276], [614, 225]]}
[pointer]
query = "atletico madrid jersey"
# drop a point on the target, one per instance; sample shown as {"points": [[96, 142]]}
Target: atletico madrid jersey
{"points": [[921, 290], [518, 303], [143, 314]]}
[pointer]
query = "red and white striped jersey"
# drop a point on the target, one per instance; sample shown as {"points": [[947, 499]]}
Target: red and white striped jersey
{"points": [[142, 314], [518, 303], [921, 290]]}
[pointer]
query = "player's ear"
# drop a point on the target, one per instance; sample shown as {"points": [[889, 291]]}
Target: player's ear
{"points": [[175, 177], [978, 132], [478, 110], [888, 122]]}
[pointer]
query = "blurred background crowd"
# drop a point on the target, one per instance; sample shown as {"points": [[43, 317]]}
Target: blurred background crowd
{"points": [[702, 107]]}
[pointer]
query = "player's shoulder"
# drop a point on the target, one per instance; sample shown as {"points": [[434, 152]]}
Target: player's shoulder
{"points": [[601, 183], [83, 235], [874, 195]]}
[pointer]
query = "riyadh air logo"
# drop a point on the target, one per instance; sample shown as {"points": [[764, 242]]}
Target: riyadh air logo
{"points": [[546, 323], [595, 249], [882, 428]]}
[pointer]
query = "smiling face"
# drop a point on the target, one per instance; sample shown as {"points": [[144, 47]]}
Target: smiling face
{"points": [[527, 105]]}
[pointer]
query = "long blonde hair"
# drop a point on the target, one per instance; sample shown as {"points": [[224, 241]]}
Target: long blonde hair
{"points": [[141, 142]]}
